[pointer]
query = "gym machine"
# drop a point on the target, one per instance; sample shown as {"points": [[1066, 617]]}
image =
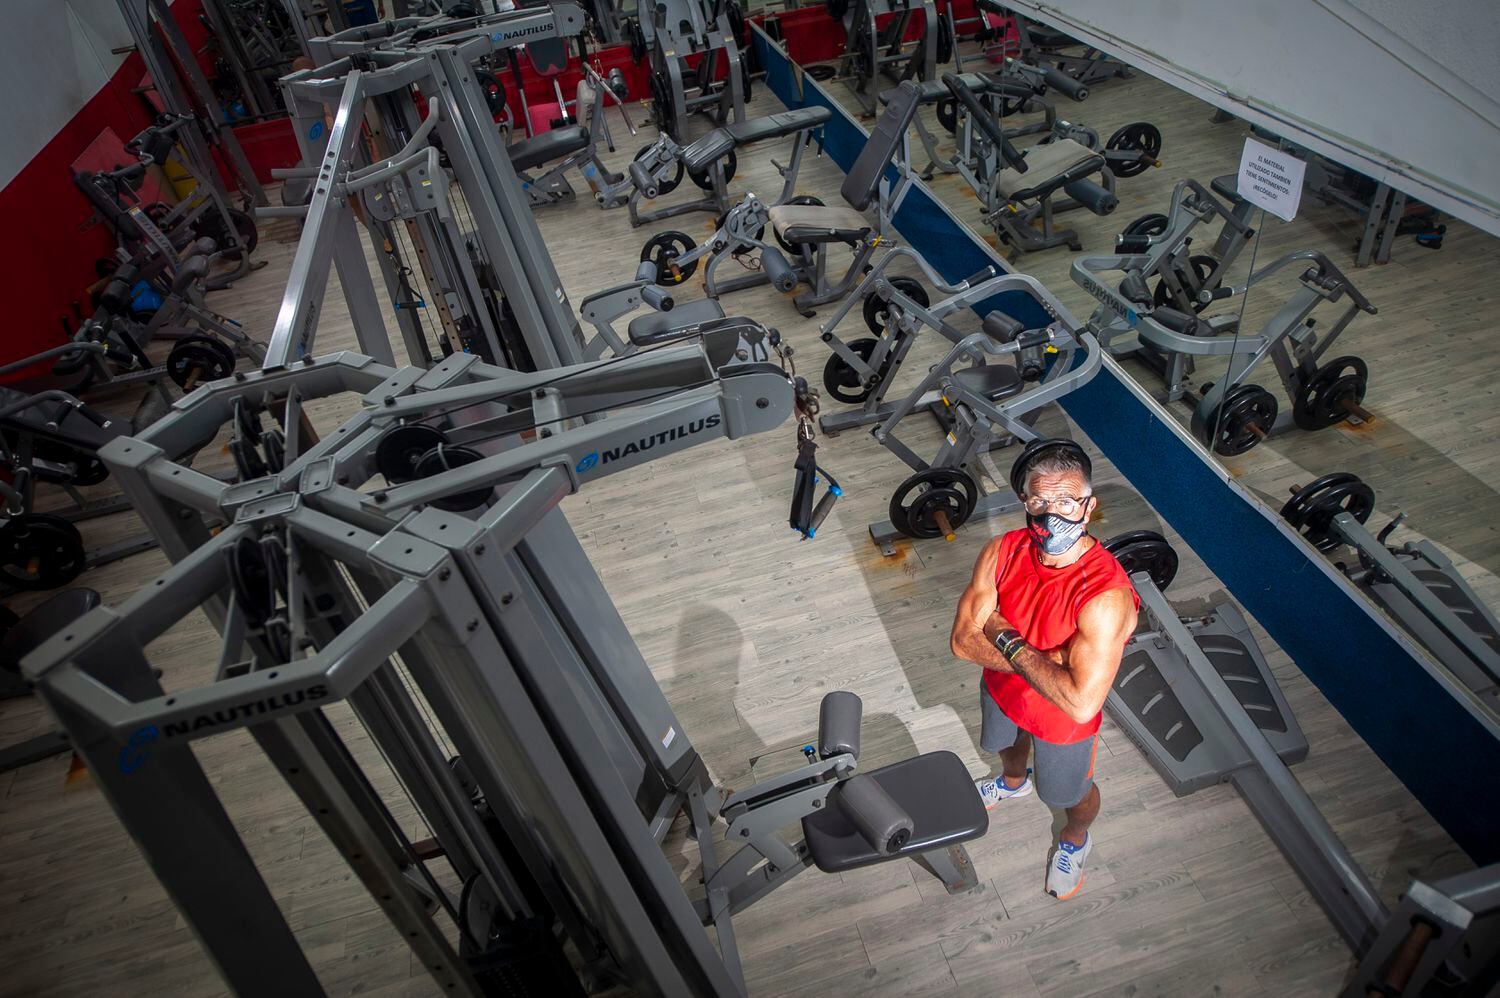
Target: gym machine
{"points": [[1195, 695], [189, 100], [1414, 583], [1041, 48], [876, 50], [987, 403], [573, 146], [1229, 414], [459, 241], [803, 226], [415, 565], [1017, 189], [670, 33]]}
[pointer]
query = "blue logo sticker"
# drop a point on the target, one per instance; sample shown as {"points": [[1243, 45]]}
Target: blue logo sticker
{"points": [[138, 749], [316, 131], [588, 462]]}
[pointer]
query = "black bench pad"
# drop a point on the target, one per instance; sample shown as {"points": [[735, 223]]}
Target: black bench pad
{"points": [[700, 154], [932, 91], [547, 146], [993, 381], [1228, 187], [934, 789]]}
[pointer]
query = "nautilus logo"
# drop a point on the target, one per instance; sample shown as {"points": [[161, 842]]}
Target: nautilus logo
{"points": [[588, 462]]}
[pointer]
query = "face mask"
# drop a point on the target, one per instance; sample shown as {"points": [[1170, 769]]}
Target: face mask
{"points": [[1055, 534]]}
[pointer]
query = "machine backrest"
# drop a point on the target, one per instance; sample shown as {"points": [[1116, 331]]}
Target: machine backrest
{"points": [[862, 185]]}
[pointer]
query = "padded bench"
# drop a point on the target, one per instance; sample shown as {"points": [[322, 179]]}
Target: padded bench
{"points": [[702, 153], [934, 790], [1227, 187], [1045, 161], [932, 91], [659, 327], [546, 147]]}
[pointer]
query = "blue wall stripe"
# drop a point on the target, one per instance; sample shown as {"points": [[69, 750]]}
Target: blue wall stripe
{"points": [[1444, 749]]}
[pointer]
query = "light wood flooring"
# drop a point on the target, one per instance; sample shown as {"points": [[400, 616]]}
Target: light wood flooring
{"points": [[747, 627]]}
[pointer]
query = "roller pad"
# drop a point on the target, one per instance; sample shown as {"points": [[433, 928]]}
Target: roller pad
{"points": [[783, 277], [641, 178], [838, 724], [1002, 327], [882, 822], [1065, 84], [1093, 197]]}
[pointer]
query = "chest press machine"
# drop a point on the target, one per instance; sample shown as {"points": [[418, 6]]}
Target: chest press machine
{"points": [[452, 608], [669, 32], [1196, 696], [1229, 414]]}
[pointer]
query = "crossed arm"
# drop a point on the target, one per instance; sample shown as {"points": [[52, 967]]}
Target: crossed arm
{"points": [[1075, 677]]}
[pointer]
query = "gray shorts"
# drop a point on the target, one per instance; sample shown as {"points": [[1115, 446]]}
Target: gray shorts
{"points": [[1063, 773]]}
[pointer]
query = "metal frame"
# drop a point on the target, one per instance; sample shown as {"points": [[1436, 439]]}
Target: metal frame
{"points": [[892, 58], [668, 48]]}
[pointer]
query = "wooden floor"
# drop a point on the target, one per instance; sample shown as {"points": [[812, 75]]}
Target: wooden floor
{"points": [[747, 627]]}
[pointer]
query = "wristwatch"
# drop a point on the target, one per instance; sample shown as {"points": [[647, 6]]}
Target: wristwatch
{"points": [[1009, 641]]}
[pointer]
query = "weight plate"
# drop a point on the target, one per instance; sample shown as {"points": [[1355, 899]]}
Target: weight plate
{"points": [[669, 184], [917, 502], [947, 114], [1153, 224], [401, 447], [664, 249], [1326, 396], [39, 551], [1312, 508], [1193, 278], [705, 179], [637, 40], [1230, 428], [875, 307], [661, 102], [1137, 137], [842, 381], [493, 89], [444, 458], [197, 359], [796, 248], [1145, 551], [251, 577]]}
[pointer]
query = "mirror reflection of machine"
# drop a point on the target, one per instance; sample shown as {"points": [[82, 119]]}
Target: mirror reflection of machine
{"points": [[696, 64]]}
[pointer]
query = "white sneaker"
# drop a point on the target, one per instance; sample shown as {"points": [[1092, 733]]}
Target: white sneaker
{"points": [[993, 791], [1065, 875]]}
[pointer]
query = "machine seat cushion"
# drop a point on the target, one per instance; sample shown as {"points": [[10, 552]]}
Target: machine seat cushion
{"points": [[934, 789], [702, 153], [993, 381], [658, 327], [548, 146], [811, 223], [1045, 162], [932, 91], [1227, 187]]}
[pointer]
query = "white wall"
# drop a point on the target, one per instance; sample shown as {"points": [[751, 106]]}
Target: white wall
{"points": [[54, 56], [1406, 92]]}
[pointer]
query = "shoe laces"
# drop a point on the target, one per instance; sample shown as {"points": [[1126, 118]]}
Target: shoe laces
{"points": [[1064, 863]]}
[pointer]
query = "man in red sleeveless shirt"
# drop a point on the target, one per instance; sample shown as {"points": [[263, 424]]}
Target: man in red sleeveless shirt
{"points": [[1047, 614]]}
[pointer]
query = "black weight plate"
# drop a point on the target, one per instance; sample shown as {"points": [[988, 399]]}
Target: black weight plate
{"points": [[443, 458], [947, 114], [493, 89], [1145, 551], [1153, 224], [1202, 268], [663, 249], [842, 381], [705, 179], [1320, 402], [874, 308], [1139, 137], [801, 199], [1312, 508], [206, 356], [401, 447], [1227, 429], [668, 185], [913, 515], [39, 551], [250, 578]]}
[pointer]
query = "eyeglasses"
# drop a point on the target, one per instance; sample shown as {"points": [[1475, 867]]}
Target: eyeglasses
{"points": [[1064, 505]]}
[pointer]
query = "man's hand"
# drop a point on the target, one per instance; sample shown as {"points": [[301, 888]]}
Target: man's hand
{"points": [[1077, 678]]}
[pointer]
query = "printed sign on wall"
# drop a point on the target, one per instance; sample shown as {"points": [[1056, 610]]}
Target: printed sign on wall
{"points": [[1271, 179]]}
